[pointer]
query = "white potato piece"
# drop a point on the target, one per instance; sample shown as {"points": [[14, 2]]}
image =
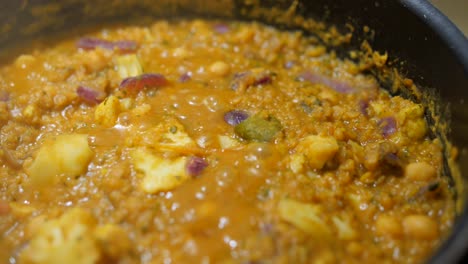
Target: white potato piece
{"points": [[317, 150], [107, 112], [420, 171], [128, 66], [67, 155], [345, 230], [159, 174], [227, 142], [68, 239], [304, 216]]}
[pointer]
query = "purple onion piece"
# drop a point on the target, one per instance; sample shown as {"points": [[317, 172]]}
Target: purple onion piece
{"points": [[363, 106], [185, 77], [261, 80], [388, 126], [147, 80], [89, 95], [4, 96], [235, 117], [221, 28], [315, 78], [289, 64], [93, 43], [251, 78], [195, 166]]}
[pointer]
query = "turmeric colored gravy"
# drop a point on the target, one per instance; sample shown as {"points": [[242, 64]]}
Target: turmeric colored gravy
{"points": [[211, 142]]}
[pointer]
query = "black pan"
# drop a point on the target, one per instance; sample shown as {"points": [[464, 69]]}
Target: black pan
{"points": [[429, 49]]}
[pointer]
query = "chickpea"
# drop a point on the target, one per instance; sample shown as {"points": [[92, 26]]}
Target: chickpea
{"points": [[420, 227], [420, 171], [181, 53], [388, 226], [220, 68]]}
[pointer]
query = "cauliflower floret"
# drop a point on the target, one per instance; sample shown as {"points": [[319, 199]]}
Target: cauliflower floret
{"points": [[67, 155], [227, 142], [128, 66], [306, 217], [68, 239], [106, 113], [173, 134], [167, 136], [315, 150], [159, 174], [345, 230]]}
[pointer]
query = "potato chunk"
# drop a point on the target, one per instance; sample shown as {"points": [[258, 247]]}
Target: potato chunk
{"points": [[316, 150], [167, 136], [66, 155], [304, 216], [420, 171], [159, 174], [128, 66], [106, 113], [68, 239]]}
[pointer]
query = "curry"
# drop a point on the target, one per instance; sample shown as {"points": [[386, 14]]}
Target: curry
{"points": [[212, 142]]}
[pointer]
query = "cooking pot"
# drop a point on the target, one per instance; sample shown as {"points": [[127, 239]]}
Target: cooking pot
{"points": [[421, 42]]}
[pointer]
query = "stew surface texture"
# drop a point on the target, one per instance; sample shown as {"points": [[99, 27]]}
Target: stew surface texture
{"points": [[212, 142]]}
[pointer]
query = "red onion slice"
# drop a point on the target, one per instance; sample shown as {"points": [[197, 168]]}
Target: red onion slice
{"points": [[195, 166], [363, 106], [92, 43], [289, 65], [244, 80], [221, 28], [185, 77], [388, 126], [89, 95], [316, 78], [4, 96], [235, 117], [147, 80]]}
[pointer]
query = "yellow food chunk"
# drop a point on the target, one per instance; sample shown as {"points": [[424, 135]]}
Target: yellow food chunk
{"points": [[159, 174], [24, 61], [106, 113], [68, 239], [296, 162], [420, 171], [345, 230], [171, 135], [420, 227], [66, 155], [30, 111], [226, 142], [220, 68], [181, 53], [304, 216], [112, 240], [390, 226], [128, 66], [317, 150]]}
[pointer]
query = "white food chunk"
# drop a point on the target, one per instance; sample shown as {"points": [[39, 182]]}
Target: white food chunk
{"points": [[226, 142], [67, 155], [306, 217], [106, 113], [128, 66], [345, 230], [159, 174], [316, 150], [68, 239]]}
